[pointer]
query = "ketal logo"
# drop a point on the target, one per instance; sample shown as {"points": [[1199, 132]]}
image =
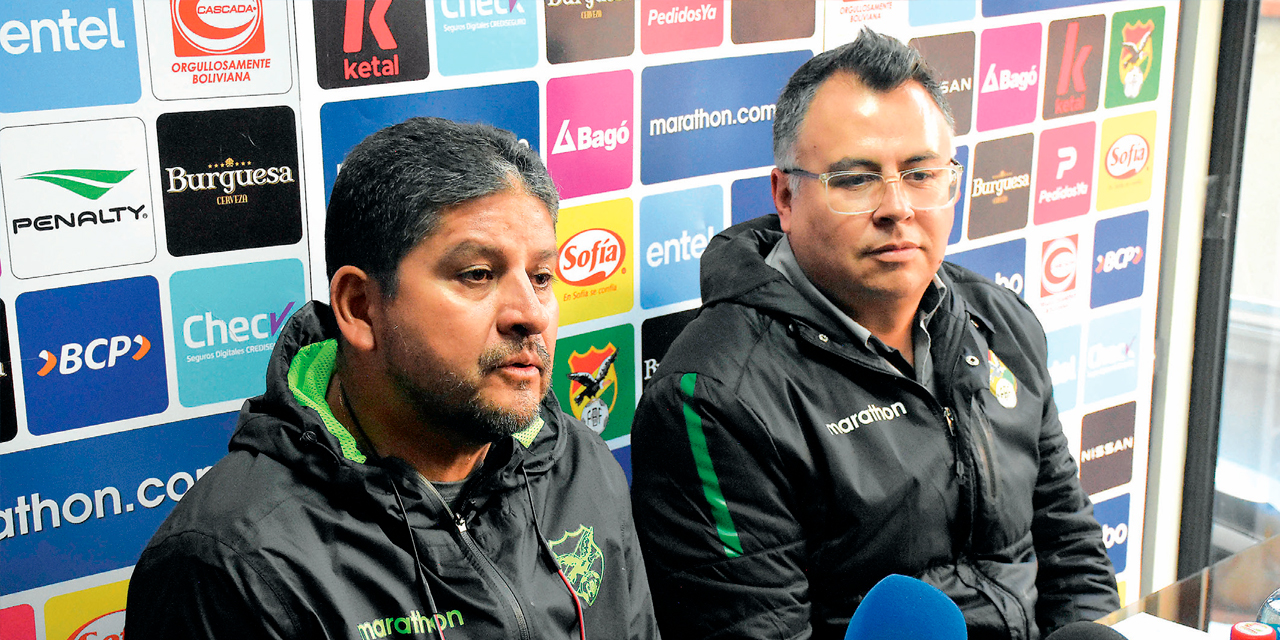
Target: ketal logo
{"points": [[590, 256], [73, 355], [1077, 62], [217, 27], [1059, 263], [1127, 156], [361, 43]]}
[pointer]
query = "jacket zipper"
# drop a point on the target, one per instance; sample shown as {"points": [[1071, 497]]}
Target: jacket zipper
{"points": [[955, 445]]}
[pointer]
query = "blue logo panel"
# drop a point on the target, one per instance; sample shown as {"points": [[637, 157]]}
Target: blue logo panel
{"points": [[73, 53], [923, 12], [1004, 263], [1111, 355], [1113, 515], [485, 35], [674, 230], [513, 107], [962, 156], [751, 198], [1007, 7], [1119, 259], [92, 354], [698, 118], [88, 506], [225, 324], [1064, 365], [623, 456]]}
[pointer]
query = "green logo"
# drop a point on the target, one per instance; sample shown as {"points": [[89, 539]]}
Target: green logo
{"points": [[1001, 381], [595, 379], [90, 183], [581, 560], [1137, 45]]}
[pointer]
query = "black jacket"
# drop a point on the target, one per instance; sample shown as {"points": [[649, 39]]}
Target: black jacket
{"points": [[779, 470], [287, 538]]}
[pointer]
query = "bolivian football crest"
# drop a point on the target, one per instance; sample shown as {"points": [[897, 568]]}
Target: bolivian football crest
{"points": [[582, 561], [1002, 383], [593, 387]]}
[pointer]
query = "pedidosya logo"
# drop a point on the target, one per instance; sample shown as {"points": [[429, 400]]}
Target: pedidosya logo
{"points": [[675, 229], [1106, 448], [951, 57], [225, 323], [1010, 74], [1064, 172], [595, 379], [1119, 264], [92, 354], [1074, 66], [590, 257], [208, 48], [592, 117], [593, 266], [674, 25], [1111, 355], [77, 196], [1113, 516], [1005, 264], [360, 43]]}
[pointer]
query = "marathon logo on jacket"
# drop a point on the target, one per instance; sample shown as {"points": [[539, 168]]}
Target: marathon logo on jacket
{"points": [[70, 53], [593, 266], [1060, 262], [710, 116], [1073, 69], [77, 196], [1005, 264], [513, 107], [99, 341], [656, 336], [1113, 516], [770, 20], [1000, 188], [592, 118], [474, 36], [1128, 162], [1064, 365], [675, 229], [225, 324], [1009, 76], [364, 42], [1064, 173], [951, 57], [580, 30], [1111, 355], [595, 379], [1137, 46], [8, 406], [1119, 259], [229, 179], [870, 415], [409, 624], [581, 560], [676, 25], [1106, 448], [97, 512], [87, 614], [215, 48]]}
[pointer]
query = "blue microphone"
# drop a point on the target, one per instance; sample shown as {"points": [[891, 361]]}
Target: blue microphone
{"points": [[899, 608]]}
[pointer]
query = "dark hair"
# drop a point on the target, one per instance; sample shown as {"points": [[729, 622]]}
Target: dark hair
{"points": [[879, 62], [393, 186]]}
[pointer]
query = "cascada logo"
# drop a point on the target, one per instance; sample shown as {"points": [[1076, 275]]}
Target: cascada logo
{"points": [[100, 340], [218, 48], [595, 379], [1010, 76], [675, 229], [361, 42], [216, 27], [1118, 259], [590, 256], [592, 117], [1059, 266]]}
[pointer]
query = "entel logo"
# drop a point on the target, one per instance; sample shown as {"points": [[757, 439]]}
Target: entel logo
{"points": [[208, 27], [71, 353], [235, 329], [1007, 79], [590, 256], [1127, 156], [685, 247], [92, 34], [1059, 264], [588, 138], [108, 626], [1118, 259]]}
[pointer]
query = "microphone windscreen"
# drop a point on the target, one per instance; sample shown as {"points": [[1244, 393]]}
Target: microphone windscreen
{"points": [[899, 607], [1085, 631]]}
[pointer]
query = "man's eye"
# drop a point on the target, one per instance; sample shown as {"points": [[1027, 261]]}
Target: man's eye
{"points": [[477, 275], [922, 176], [853, 181], [543, 279]]}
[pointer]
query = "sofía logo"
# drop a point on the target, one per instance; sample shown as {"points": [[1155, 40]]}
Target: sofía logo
{"points": [[1127, 156], [590, 256]]}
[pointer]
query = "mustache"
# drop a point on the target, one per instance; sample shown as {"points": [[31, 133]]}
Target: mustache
{"points": [[492, 358]]}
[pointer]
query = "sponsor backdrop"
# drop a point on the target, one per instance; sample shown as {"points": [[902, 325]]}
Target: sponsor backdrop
{"points": [[165, 165]]}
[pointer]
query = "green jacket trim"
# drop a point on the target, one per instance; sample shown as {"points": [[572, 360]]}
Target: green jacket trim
{"points": [[707, 472], [309, 376]]}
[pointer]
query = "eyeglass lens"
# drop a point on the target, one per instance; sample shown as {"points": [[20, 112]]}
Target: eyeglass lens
{"points": [[923, 188]]}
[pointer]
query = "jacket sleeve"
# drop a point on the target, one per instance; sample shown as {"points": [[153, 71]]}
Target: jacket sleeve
{"points": [[716, 517], [190, 587], [1075, 578]]}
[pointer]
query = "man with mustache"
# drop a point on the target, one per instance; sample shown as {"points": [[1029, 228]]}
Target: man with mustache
{"points": [[407, 471]]}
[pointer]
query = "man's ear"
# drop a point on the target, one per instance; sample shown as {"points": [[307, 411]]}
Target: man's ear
{"points": [[780, 183], [354, 296]]}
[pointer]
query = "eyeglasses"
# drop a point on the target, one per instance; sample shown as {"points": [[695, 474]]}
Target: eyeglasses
{"points": [[858, 192]]}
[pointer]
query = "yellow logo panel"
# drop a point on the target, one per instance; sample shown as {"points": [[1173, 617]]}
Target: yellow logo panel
{"points": [[1124, 172], [594, 265], [96, 613]]}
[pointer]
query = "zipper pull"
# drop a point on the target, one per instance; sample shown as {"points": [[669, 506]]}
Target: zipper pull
{"points": [[460, 522], [951, 427]]}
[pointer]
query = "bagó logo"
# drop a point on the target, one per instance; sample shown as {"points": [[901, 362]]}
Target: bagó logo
{"points": [[361, 43], [590, 256], [1059, 266], [591, 117], [1010, 73], [582, 561], [216, 27], [1074, 66]]}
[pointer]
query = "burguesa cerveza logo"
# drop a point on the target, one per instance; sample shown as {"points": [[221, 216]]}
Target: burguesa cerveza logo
{"points": [[590, 256], [216, 27]]}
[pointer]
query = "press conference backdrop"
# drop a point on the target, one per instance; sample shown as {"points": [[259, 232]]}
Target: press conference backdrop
{"points": [[164, 169]]}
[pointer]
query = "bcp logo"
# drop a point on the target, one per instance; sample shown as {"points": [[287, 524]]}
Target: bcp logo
{"points": [[1113, 516], [951, 57], [710, 116], [1005, 264], [1118, 259], [73, 53], [1137, 45], [90, 614], [1073, 70], [595, 379], [213, 48], [1064, 173], [225, 324], [1111, 355], [593, 264], [1009, 76], [474, 36], [361, 42], [1106, 448], [1064, 365], [102, 342], [580, 30], [591, 118], [1000, 187], [674, 231], [1059, 265], [1127, 164]]}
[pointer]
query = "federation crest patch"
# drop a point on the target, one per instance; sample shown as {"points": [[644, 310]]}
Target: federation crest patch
{"points": [[1136, 56], [1002, 383], [593, 387], [581, 560]]}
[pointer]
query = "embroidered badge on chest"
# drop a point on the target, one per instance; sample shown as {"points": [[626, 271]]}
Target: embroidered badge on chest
{"points": [[582, 561], [1002, 383]]}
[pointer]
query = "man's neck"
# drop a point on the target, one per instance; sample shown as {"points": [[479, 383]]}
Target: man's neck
{"points": [[888, 320], [390, 430]]}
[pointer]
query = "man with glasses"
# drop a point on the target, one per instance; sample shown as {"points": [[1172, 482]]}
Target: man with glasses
{"points": [[847, 405]]}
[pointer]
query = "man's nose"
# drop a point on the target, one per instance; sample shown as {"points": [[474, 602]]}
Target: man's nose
{"points": [[523, 312], [894, 204]]}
